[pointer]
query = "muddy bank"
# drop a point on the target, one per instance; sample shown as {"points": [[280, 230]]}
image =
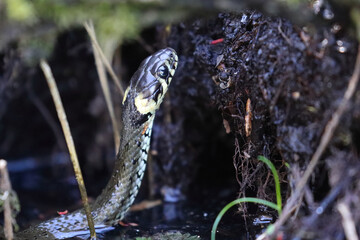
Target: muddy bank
{"points": [[276, 86]]}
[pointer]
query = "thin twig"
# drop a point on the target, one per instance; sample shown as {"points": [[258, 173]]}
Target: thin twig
{"points": [[104, 83], [283, 34], [145, 45], [47, 116], [326, 202], [5, 186], [347, 222], [70, 143], [90, 29], [325, 139]]}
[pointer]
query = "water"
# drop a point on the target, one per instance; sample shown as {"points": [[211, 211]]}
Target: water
{"points": [[188, 219]]}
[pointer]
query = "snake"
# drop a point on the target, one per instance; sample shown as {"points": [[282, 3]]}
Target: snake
{"points": [[141, 100]]}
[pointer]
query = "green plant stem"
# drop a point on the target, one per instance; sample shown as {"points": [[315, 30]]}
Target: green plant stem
{"points": [[276, 179], [237, 201]]}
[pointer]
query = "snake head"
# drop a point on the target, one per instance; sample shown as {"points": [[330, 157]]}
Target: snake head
{"points": [[151, 81]]}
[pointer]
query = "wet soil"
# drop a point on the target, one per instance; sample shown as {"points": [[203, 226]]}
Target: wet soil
{"points": [[246, 85], [276, 86]]}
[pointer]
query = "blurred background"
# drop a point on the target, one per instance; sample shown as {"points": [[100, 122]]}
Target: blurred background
{"points": [[194, 165]]}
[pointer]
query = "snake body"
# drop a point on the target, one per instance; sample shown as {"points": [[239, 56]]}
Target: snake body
{"points": [[142, 98]]}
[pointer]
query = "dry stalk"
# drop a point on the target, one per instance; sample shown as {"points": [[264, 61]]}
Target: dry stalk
{"points": [[347, 221], [70, 143], [90, 29], [325, 139], [5, 186], [99, 62]]}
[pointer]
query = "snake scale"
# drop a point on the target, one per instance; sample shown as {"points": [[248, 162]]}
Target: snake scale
{"points": [[141, 101]]}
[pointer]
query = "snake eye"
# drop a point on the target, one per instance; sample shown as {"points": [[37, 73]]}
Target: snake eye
{"points": [[163, 72]]}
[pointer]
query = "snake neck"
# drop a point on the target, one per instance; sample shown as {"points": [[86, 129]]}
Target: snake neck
{"points": [[126, 178], [117, 197]]}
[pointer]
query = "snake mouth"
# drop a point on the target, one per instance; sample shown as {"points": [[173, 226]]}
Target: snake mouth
{"points": [[167, 70]]}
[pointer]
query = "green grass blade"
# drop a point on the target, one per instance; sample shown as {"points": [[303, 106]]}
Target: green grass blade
{"points": [[276, 179], [237, 201]]}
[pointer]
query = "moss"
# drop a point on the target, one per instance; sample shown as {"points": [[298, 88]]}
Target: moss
{"points": [[35, 47], [20, 10], [113, 22], [111, 19]]}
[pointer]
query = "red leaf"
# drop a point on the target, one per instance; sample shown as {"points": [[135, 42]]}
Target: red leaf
{"points": [[121, 223], [63, 213], [213, 42]]}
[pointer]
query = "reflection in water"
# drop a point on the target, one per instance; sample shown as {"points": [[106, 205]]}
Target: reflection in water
{"points": [[172, 212]]}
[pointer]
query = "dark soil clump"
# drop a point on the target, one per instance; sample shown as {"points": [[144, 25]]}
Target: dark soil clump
{"points": [[276, 86]]}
